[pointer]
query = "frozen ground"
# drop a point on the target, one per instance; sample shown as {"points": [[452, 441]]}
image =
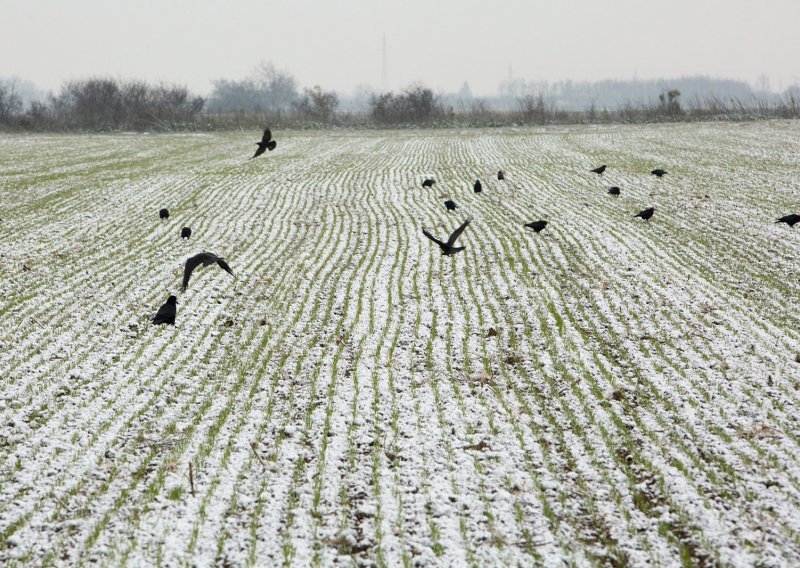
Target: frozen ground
{"points": [[341, 401]]}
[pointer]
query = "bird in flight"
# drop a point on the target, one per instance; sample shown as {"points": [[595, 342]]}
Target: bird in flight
{"points": [[599, 170], [477, 188], [450, 204], [206, 259], [428, 182], [646, 214], [447, 248], [163, 213], [536, 225], [166, 313], [613, 191], [186, 232], [267, 143], [501, 175], [658, 172], [789, 219]]}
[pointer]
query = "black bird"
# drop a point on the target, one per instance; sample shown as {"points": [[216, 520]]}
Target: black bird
{"points": [[536, 225], [789, 219], [166, 313], [613, 191], [477, 187], [267, 143], [163, 213], [658, 172], [206, 259], [428, 182], [186, 232], [500, 175], [646, 214], [599, 170], [450, 204], [447, 248]]}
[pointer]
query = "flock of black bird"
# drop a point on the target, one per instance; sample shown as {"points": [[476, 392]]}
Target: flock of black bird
{"points": [[167, 312], [537, 226]]}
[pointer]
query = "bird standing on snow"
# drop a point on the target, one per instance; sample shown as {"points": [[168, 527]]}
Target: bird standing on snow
{"points": [[163, 213], [450, 204], [447, 248], [477, 188], [789, 219], [428, 182], [166, 313], [599, 170], [658, 172], [536, 225], [206, 259], [500, 175], [613, 191], [186, 232], [646, 214], [267, 143]]}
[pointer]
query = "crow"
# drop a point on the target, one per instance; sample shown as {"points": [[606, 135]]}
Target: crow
{"points": [[599, 170], [501, 175], [166, 313], [789, 219], [646, 214], [206, 259], [658, 172], [477, 187], [613, 191], [447, 248], [186, 232], [163, 213], [450, 204], [428, 182], [267, 143], [536, 225]]}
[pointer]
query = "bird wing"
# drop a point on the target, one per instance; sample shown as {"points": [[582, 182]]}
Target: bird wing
{"points": [[457, 233], [267, 136], [431, 237], [163, 314], [224, 265], [191, 263], [271, 145]]}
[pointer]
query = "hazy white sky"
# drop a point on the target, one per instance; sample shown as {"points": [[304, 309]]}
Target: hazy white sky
{"points": [[337, 43]]}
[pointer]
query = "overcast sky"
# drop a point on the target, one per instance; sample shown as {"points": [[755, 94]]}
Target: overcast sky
{"points": [[337, 43]]}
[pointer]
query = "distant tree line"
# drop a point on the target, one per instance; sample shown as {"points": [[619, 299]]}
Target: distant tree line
{"points": [[104, 104], [271, 96]]}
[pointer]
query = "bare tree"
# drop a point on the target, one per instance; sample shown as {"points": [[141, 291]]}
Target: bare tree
{"points": [[318, 104]]}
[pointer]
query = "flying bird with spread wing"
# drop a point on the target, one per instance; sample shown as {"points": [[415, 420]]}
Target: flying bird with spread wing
{"points": [[267, 143], [206, 259], [447, 248]]}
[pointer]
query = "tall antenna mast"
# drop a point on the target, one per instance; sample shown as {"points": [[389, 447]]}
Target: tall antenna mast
{"points": [[384, 68]]}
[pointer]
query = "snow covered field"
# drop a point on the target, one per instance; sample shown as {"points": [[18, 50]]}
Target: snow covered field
{"points": [[342, 400]]}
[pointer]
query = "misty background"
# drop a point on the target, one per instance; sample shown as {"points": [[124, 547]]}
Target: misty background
{"points": [[320, 59]]}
